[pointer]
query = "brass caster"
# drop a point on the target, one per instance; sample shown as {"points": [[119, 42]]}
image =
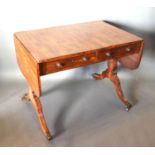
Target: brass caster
{"points": [[128, 106], [26, 97], [97, 76], [49, 137]]}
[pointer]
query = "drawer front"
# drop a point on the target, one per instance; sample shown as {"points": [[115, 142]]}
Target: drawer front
{"points": [[119, 52], [68, 63], [86, 59]]}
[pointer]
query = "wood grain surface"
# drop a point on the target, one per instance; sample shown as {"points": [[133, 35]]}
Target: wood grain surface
{"points": [[64, 41], [28, 66], [49, 50], [88, 58]]}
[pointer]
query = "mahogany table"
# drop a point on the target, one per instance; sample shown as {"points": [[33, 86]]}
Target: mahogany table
{"points": [[45, 51]]}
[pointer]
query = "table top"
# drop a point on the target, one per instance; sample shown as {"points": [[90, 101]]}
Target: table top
{"points": [[51, 43]]}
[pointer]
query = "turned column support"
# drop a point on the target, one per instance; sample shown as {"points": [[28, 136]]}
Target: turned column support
{"points": [[111, 73]]}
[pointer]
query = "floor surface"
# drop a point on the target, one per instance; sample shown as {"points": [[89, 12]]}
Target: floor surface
{"points": [[82, 112]]}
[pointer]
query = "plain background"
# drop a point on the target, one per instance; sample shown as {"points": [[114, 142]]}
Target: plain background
{"points": [[83, 112]]}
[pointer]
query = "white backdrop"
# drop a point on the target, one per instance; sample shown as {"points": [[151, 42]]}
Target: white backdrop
{"points": [[17, 15]]}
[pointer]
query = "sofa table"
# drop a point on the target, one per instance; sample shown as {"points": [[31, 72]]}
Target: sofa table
{"points": [[45, 51]]}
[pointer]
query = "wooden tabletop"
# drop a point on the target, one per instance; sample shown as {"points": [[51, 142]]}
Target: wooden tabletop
{"points": [[51, 43]]}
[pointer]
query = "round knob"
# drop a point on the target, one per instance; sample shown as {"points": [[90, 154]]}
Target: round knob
{"points": [[108, 54], [128, 49], [59, 64], [85, 59]]}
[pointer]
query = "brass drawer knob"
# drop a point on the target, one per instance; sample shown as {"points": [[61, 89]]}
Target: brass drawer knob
{"points": [[85, 59], [128, 49], [59, 64], [108, 54]]}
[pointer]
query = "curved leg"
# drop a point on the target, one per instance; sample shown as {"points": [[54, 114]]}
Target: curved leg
{"points": [[38, 107], [119, 91], [111, 73]]}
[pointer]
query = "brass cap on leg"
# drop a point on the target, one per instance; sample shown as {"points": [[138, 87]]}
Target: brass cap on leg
{"points": [[128, 106], [49, 137], [97, 76], [26, 97]]}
